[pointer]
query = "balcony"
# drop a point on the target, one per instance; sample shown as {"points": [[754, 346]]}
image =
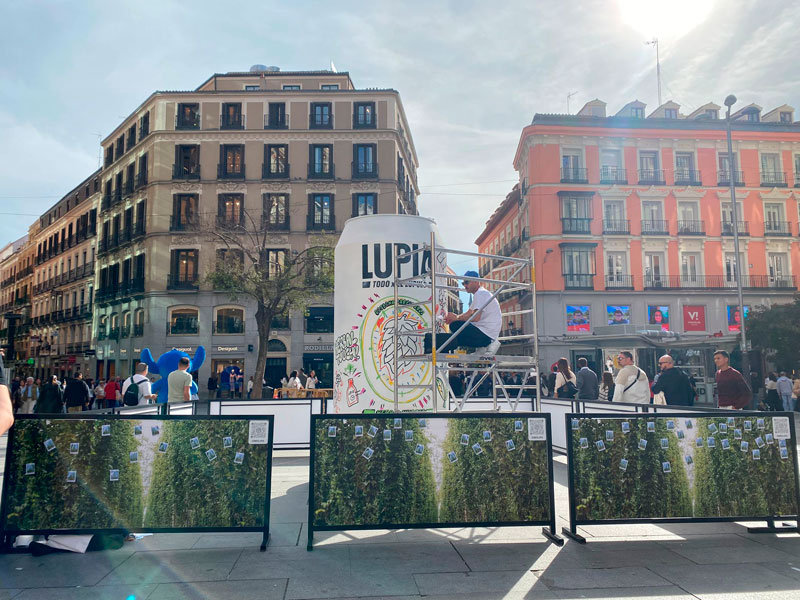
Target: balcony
{"points": [[280, 322], [724, 178], [320, 223], [188, 121], [777, 228], [178, 223], [318, 171], [186, 171], [616, 226], [613, 175], [231, 122], [364, 170], [269, 225], [141, 179], [687, 177], [773, 179], [574, 175], [655, 227], [230, 223], [106, 203], [320, 121], [275, 121], [125, 331], [113, 333], [227, 328], [797, 179], [138, 330], [282, 171], [182, 282], [116, 197], [578, 281], [139, 229], [691, 228], [126, 235], [651, 177], [183, 327], [619, 282], [224, 173], [743, 228], [574, 225], [127, 190]]}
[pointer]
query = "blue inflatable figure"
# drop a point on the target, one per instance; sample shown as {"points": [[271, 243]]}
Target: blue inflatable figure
{"points": [[166, 364]]}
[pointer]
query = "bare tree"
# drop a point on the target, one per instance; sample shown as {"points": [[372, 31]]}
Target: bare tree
{"points": [[276, 277]]}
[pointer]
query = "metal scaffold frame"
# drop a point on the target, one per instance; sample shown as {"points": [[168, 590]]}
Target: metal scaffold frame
{"points": [[479, 365]]}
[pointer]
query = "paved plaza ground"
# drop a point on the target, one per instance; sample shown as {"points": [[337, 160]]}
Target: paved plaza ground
{"points": [[641, 561]]}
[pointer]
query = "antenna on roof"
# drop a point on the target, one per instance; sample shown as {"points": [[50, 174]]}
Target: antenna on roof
{"points": [[569, 95], [654, 42], [99, 150]]}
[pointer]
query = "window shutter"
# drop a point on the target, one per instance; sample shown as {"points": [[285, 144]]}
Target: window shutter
{"points": [[178, 166], [333, 212], [221, 159], [355, 205]]}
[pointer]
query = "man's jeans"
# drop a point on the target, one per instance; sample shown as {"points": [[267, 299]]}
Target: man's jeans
{"points": [[787, 402], [471, 337]]}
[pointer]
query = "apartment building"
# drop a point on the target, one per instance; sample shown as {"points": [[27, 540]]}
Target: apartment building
{"points": [[631, 221], [289, 154], [16, 268]]}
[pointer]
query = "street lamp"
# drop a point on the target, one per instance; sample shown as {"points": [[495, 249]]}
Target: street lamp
{"points": [[730, 101]]}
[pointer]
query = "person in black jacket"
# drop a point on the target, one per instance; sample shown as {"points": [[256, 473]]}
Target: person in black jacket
{"points": [[50, 400], [76, 394], [674, 383]]}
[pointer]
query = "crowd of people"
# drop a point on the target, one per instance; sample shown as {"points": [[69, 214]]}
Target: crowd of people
{"points": [[67, 395]]}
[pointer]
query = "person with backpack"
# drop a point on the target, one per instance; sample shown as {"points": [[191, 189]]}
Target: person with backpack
{"points": [[566, 382], [136, 388], [631, 384]]}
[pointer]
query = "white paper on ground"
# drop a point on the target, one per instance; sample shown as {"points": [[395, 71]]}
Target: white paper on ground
{"points": [[73, 543]]}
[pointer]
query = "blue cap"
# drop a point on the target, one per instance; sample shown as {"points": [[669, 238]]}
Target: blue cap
{"points": [[471, 274]]}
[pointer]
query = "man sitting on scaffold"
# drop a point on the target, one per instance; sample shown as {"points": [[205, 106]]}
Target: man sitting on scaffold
{"points": [[483, 328]]}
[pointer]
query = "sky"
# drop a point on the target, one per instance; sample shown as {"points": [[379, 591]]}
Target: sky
{"points": [[470, 74]]}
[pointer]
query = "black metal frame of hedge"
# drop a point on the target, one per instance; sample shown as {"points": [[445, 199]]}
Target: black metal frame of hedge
{"points": [[7, 535], [549, 529], [571, 531]]}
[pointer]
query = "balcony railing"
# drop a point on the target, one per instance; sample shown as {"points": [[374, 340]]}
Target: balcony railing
{"points": [[578, 281], [116, 197], [691, 228], [230, 223], [128, 189], [227, 328], [190, 121], [717, 282], [282, 171], [655, 227], [275, 122], [189, 327], [687, 177], [574, 175], [320, 223], [575, 225], [724, 178], [743, 228], [613, 175], [106, 202], [178, 223], [651, 176], [317, 171], [773, 179], [186, 171], [321, 121], [269, 225], [619, 282], [113, 333], [616, 226], [141, 179], [138, 330], [181, 282], [777, 228], [364, 170], [797, 179], [231, 122], [139, 229], [223, 173]]}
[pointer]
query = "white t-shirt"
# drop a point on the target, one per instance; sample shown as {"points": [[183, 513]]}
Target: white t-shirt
{"points": [[311, 383], [143, 383], [489, 321]]}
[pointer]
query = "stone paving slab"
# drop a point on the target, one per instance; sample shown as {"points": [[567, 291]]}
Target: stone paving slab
{"points": [[292, 562], [340, 585], [669, 592], [269, 589], [499, 556], [115, 592], [486, 585], [406, 558], [619, 577], [58, 570], [726, 550], [174, 566], [729, 581], [8, 594]]}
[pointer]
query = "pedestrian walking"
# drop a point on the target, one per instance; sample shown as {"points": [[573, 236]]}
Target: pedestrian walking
{"points": [[732, 389], [311, 381], [50, 399], [785, 392], [99, 394], [673, 383], [136, 388], [606, 392], [566, 381], [631, 383], [29, 394], [586, 381], [76, 394], [110, 391], [249, 387], [773, 399]]}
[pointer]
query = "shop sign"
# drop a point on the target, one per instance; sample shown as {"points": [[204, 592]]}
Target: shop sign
{"points": [[227, 348], [186, 349], [694, 318], [318, 348]]}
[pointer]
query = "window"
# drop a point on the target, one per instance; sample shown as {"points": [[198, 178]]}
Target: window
{"points": [[231, 116], [329, 86], [637, 112], [320, 212], [610, 158], [320, 160], [652, 211], [614, 215], [654, 268], [276, 158], [670, 113], [109, 155], [276, 346], [786, 117], [617, 270], [578, 265], [183, 267], [365, 204], [276, 115], [188, 116], [230, 210], [571, 163], [144, 125], [231, 161], [184, 212], [252, 88], [187, 162], [126, 324], [276, 211], [291, 88], [690, 268], [778, 265], [274, 262], [363, 115], [598, 111], [319, 320], [689, 218], [229, 320], [684, 167], [774, 222], [364, 164], [131, 136], [102, 327], [113, 331], [611, 167], [234, 256], [771, 173], [576, 207], [320, 117], [712, 113], [120, 149], [753, 116], [138, 322], [183, 321], [727, 213], [141, 176], [648, 161], [731, 267]]}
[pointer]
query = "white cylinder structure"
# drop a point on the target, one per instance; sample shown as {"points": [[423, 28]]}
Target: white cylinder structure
{"points": [[364, 315]]}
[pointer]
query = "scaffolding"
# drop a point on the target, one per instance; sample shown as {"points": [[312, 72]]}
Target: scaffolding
{"points": [[479, 365]]}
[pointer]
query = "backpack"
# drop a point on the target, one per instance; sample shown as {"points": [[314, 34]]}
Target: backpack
{"points": [[131, 397]]}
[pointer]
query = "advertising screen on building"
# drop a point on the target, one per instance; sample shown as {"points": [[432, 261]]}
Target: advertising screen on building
{"points": [[579, 318], [658, 316], [137, 474], [735, 318], [683, 465], [618, 315], [388, 470], [694, 318]]}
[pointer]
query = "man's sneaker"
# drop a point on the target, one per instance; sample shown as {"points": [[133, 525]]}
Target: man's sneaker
{"points": [[492, 348]]}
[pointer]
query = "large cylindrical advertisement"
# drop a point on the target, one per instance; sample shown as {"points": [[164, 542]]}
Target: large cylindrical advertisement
{"points": [[364, 317]]}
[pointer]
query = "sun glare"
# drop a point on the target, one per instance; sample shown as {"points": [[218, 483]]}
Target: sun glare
{"points": [[668, 19]]}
